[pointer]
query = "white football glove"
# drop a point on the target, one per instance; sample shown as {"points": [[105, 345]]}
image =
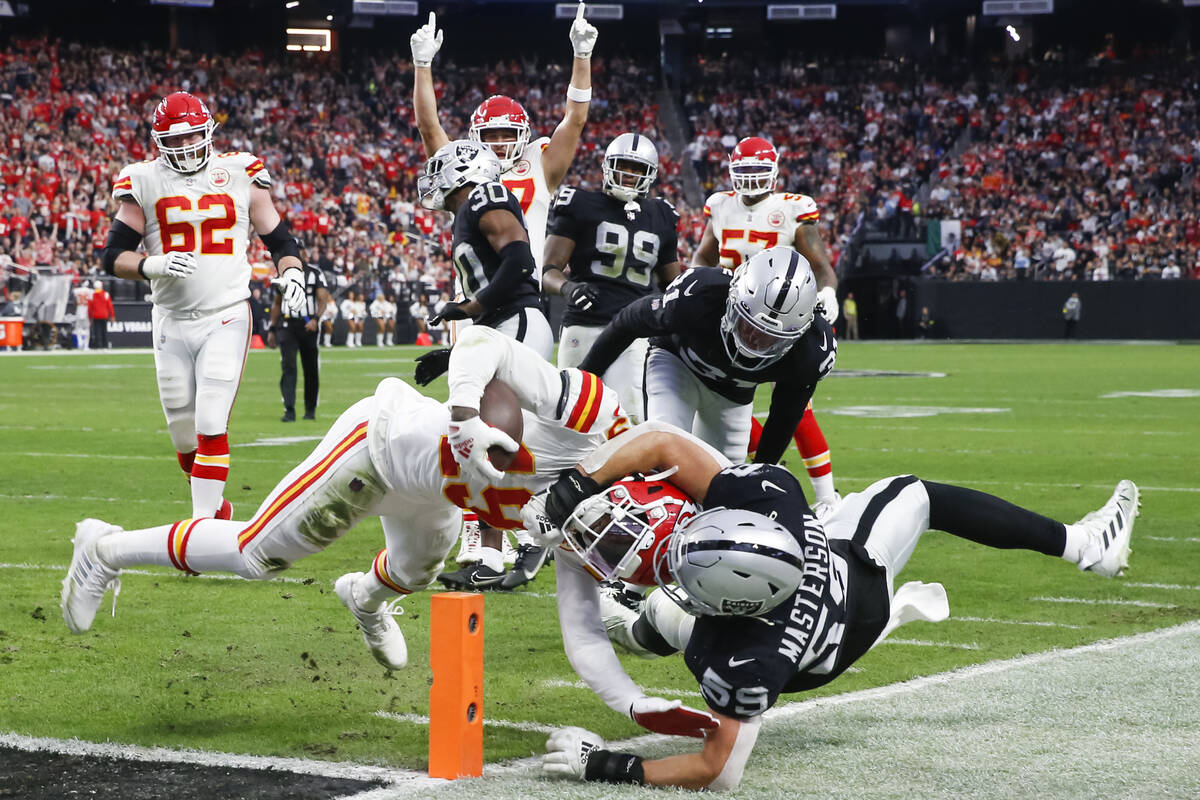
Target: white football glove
{"points": [[469, 441], [583, 34], [670, 717], [567, 752], [426, 42], [537, 522], [291, 286], [170, 265], [827, 302]]}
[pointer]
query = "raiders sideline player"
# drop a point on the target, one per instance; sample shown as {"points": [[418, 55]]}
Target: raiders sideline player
{"points": [[602, 252], [767, 599], [716, 337]]}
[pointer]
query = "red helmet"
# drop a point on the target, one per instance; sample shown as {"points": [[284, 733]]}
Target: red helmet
{"points": [[753, 166], [502, 113], [619, 533], [181, 114]]}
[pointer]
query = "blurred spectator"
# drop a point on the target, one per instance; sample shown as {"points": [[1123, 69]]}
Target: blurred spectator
{"points": [[1071, 311], [100, 311]]}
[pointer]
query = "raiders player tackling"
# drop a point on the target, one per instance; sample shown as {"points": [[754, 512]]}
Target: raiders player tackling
{"points": [[760, 597], [716, 337], [602, 252]]}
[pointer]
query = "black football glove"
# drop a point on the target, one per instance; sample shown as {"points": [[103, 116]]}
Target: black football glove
{"points": [[571, 489], [581, 296], [431, 365], [450, 311]]}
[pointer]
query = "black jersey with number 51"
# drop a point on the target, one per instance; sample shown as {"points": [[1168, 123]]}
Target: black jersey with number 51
{"points": [[616, 249]]}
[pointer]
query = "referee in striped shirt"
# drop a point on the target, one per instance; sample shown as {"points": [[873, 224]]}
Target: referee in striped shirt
{"points": [[299, 334]]}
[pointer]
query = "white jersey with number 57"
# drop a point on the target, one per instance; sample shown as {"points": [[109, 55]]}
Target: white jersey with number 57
{"points": [[527, 181], [206, 213], [744, 230]]}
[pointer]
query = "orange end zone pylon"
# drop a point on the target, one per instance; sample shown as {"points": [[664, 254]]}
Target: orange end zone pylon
{"points": [[456, 696]]}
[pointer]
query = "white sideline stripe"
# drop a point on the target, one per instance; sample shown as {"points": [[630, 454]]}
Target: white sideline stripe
{"points": [[420, 719], [560, 684], [925, 643], [74, 499], [1089, 602], [1162, 586], [160, 574], [328, 769], [866, 481], [410, 779], [1038, 623], [1188, 539]]}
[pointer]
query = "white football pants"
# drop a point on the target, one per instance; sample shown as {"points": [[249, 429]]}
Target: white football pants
{"points": [[676, 395], [626, 373]]}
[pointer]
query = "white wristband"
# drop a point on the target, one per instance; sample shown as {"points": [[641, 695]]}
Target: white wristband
{"points": [[579, 95]]}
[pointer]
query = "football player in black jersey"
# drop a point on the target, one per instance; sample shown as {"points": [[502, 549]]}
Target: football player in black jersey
{"points": [[716, 337], [819, 595], [607, 249], [495, 269]]}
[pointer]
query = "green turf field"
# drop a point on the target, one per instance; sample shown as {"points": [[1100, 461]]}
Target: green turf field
{"points": [[279, 669]]}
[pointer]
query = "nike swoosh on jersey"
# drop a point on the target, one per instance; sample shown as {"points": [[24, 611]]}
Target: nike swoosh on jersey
{"points": [[227, 321], [766, 484], [691, 287], [737, 662]]}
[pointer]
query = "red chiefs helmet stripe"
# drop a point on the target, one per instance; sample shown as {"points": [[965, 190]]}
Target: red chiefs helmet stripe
{"points": [[177, 539], [381, 573], [301, 485], [588, 404]]}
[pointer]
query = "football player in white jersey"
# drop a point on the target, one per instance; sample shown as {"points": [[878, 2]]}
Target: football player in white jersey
{"points": [[194, 213], [749, 219], [412, 461], [531, 170]]}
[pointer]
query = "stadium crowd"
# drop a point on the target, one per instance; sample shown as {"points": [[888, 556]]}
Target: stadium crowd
{"points": [[1092, 178]]}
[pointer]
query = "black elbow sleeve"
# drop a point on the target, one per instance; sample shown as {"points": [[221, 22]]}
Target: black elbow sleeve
{"points": [[281, 242], [121, 237]]}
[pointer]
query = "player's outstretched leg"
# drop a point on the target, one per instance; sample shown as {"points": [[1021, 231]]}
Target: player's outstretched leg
{"points": [[373, 599]]}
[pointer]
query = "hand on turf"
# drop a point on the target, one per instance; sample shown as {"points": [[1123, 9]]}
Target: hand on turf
{"points": [[567, 752], [671, 717], [469, 441], [583, 34], [170, 265], [426, 42]]}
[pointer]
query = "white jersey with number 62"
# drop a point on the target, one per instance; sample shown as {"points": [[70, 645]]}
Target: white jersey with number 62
{"points": [[206, 213]]}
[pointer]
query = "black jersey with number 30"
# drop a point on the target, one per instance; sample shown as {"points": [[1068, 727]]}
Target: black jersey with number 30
{"points": [[743, 664], [476, 263], [615, 249]]}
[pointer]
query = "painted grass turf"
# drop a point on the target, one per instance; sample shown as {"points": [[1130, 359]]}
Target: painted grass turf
{"points": [[279, 668]]}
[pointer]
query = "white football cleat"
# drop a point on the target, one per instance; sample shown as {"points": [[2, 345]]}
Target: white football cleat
{"points": [[823, 509], [620, 609], [379, 628], [88, 580], [472, 540], [1109, 531]]}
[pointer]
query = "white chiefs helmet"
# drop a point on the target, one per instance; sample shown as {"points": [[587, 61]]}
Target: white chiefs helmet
{"points": [[772, 302], [453, 166], [630, 159], [731, 562]]}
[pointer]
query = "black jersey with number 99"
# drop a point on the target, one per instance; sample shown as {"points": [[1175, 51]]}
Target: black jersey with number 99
{"points": [[616, 250]]}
